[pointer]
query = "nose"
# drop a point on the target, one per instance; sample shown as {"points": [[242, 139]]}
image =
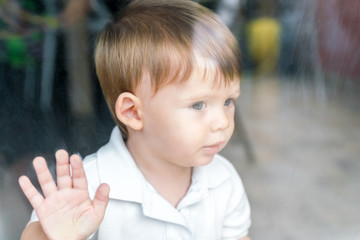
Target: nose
{"points": [[220, 120]]}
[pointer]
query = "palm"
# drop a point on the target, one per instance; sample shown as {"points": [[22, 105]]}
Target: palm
{"points": [[66, 212]]}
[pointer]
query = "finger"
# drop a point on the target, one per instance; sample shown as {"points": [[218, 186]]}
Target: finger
{"points": [[78, 174], [101, 199], [44, 176], [34, 197], [63, 169]]}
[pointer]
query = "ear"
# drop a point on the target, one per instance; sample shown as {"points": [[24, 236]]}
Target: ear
{"points": [[128, 110]]}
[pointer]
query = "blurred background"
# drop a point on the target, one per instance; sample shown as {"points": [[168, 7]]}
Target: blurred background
{"points": [[297, 139]]}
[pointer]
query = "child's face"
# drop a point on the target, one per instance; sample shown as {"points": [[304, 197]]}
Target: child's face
{"points": [[186, 124]]}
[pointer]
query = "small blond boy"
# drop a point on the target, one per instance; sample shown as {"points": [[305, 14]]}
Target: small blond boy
{"points": [[170, 73]]}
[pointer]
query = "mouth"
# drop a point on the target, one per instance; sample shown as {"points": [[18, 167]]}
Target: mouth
{"points": [[214, 148]]}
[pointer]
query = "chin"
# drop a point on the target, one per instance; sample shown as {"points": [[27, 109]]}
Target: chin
{"points": [[203, 160]]}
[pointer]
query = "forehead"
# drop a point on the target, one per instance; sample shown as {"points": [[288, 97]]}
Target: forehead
{"points": [[208, 77], [203, 81], [206, 71]]}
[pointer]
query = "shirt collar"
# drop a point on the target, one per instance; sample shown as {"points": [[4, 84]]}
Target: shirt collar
{"points": [[117, 168]]}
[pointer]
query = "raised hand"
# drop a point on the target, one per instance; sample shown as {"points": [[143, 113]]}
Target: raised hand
{"points": [[66, 210]]}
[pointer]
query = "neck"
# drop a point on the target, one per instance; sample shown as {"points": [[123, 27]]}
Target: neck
{"points": [[171, 181]]}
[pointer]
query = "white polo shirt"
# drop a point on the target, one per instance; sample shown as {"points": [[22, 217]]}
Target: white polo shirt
{"points": [[215, 207]]}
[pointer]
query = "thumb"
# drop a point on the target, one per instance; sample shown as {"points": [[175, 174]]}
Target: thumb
{"points": [[101, 199]]}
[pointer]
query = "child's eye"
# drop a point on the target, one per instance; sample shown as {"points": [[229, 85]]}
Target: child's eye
{"points": [[198, 106], [228, 102]]}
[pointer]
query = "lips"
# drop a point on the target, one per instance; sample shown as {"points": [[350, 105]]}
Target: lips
{"points": [[214, 148]]}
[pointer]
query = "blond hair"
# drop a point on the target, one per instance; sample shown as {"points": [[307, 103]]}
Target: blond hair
{"points": [[163, 39]]}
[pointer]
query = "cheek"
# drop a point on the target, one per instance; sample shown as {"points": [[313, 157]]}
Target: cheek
{"points": [[184, 130], [231, 124], [181, 131]]}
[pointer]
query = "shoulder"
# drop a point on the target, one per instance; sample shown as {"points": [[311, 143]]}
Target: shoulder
{"points": [[232, 193], [90, 164], [226, 185]]}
